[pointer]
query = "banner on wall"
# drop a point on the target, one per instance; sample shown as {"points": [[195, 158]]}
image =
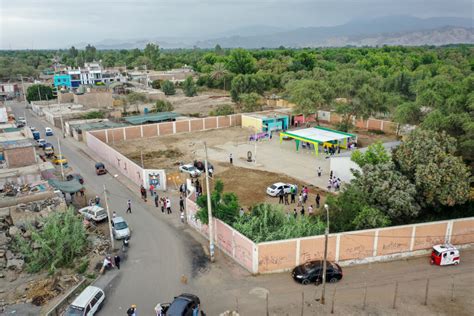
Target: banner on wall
{"points": [[157, 177]]}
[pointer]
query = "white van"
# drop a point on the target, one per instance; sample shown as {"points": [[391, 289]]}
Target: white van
{"points": [[88, 303]]}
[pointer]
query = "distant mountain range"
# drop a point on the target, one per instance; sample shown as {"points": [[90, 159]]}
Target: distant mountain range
{"points": [[391, 30]]}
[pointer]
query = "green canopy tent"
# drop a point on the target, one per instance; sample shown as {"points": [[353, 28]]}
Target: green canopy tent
{"points": [[72, 186]]}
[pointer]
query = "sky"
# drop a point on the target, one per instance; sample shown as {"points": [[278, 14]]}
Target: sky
{"points": [[36, 24]]}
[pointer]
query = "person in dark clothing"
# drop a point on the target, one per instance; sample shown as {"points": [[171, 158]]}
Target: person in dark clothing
{"points": [[293, 194], [330, 175], [295, 213], [143, 192], [231, 160], [181, 203], [318, 199], [117, 261], [157, 200], [302, 210], [286, 199], [280, 195], [129, 207]]}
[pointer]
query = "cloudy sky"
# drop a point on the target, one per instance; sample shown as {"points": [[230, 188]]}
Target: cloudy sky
{"points": [[53, 23]]}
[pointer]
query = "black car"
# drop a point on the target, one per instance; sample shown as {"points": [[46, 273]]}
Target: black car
{"points": [[200, 165], [77, 176], [183, 305], [311, 272]]}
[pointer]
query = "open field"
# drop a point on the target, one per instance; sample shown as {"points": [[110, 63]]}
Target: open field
{"points": [[203, 103]]}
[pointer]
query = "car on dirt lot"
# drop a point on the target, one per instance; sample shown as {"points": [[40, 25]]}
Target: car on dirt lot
{"points": [[312, 272], [182, 305], [200, 165], [190, 169], [275, 188], [95, 213]]}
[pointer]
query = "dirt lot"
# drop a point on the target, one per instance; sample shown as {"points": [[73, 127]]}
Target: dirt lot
{"points": [[203, 103], [167, 151], [250, 185]]}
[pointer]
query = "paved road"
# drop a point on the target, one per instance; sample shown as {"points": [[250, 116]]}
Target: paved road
{"points": [[162, 250], [158, 255]]}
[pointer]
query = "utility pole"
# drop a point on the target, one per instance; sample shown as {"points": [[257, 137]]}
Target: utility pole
{"points": [[112, 241], [326, 233], [61, 156], [209, 209], [23, 89]]}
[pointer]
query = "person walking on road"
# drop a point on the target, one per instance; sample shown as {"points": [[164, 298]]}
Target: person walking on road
{"points": [[117, 261], [163, 204], [152, 189], [129, 207], [168, 205], [157, 200], [231, 160], [320, 171], [97, 200], [143, 192], [132, 311], [181, 204]]}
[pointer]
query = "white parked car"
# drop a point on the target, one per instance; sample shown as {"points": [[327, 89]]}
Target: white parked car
{"points": [[88, 303], [189, 168], [275, 188], [95, 213], [48, 131], [41, 142], [120, 228]]}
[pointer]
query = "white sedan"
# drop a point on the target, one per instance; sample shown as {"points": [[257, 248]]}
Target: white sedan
{"points": [[189, 168], [275, 188]]}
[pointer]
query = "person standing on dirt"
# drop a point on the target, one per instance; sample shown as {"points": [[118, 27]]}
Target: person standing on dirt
{"points": [[302, 210], [286, 199], [318, 200], [280, 196], [231, 160], [293, 194], [295, 213], [129, 207]]}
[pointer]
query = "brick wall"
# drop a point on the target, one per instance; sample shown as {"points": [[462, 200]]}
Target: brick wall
{"points": [[20, 157]]}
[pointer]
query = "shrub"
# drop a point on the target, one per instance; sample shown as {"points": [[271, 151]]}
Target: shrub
{"points": [[225, 109], [163, 106], [61, 241], [168, 88], [94, 115]]}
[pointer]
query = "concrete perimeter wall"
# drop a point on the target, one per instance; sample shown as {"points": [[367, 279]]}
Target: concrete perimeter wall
{"points": [[365, 246], [110, 156], [167, 128], [227, 239], [356, 247]]}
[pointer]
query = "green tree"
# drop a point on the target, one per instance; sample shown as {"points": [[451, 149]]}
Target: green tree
{"points": [[250, 102], [61, 241], [344, 208], [370, 217], [73, 52], [163, 106], [136, 98], [388, 190], [152, 52], [94, 115], [225, 205], [428, 159], [375, 154], [39, 92], [189, 87], [407, 113], [90, 53], [219, 72], [168, 87], [308, 95], [156, 84], [240, 61], [246, 84]]}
